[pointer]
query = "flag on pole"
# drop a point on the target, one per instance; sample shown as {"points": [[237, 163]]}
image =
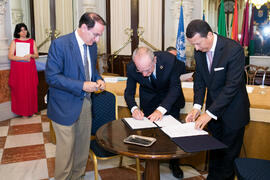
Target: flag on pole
{"points": [[221, 20], [203, 17], [234, 34], [244, 33], [180, 40]]}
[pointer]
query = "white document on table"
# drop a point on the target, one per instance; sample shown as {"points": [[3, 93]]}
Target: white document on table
{"points": [[186, 76], [114, 79], [183, 130], [22, 49], [140, 124], [167, 120]]}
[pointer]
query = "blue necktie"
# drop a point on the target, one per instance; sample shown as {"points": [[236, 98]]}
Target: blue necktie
{"points": [[153, 80]]}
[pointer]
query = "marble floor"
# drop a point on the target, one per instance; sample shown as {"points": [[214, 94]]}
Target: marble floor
{"points": [[26, 153]]}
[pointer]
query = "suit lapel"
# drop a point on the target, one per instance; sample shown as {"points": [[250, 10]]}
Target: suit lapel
{"points": [[76, 53], [202, 65], [217, 56], [205, 65], [92, 60], [160, 69]]}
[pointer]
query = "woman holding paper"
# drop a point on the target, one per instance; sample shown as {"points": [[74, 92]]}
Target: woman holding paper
{"points": [[23, 79]]}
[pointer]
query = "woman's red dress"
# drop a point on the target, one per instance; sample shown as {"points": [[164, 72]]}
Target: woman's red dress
{"points": [[23, 81]]}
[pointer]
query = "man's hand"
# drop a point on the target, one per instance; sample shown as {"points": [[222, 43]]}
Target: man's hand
{"points": [[155, 116], [89, 86], [137, 114], [192, 115], [101, 85], [202, 121]]}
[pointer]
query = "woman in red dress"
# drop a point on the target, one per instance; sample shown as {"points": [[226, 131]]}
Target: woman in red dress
{"points": [[23, 79]]}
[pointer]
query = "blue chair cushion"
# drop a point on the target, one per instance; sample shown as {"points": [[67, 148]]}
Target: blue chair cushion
{"points": [[252, 169], [103, 109], [99, 151]]}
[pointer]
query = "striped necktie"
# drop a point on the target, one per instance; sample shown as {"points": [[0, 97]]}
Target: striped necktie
{"points": [[86, 68], [86, 63]]}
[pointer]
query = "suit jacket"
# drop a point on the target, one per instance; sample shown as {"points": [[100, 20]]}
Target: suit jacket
{"points": [[65, 76], [227, 97], [167, 93]]}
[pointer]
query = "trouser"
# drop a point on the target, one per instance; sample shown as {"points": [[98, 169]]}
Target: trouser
{"points": [[72, 145], [221, 163]]}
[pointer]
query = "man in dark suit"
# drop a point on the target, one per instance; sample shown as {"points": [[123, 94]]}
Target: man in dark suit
{"points": [[72, 76], [160, 88], [173, 51], [219, 69]]}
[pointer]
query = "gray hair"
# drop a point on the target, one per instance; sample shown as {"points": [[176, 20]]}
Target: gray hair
{"points": [[142, 51]]}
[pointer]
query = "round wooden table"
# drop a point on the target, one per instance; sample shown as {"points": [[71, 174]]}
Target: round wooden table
{"points": [[111, 137]]}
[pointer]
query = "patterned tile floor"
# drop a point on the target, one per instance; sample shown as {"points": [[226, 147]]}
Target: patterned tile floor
{"points": [[26, 153]]}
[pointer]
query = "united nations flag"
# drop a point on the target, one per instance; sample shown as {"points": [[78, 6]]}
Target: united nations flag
{"points": [[180, 40]]}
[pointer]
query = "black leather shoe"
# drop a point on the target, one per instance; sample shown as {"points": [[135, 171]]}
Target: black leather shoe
{"points": [[176, 170]]}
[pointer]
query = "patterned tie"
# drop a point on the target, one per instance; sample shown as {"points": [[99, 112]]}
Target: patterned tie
{"points": [[86, 68], [210, 60], [86, 64]]}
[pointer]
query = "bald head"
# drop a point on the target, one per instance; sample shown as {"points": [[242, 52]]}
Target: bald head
{"points": [[144, 60]]}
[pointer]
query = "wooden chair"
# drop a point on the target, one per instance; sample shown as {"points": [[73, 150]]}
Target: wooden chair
{"points": [[260, 76], [251, 71], [104, 110]]}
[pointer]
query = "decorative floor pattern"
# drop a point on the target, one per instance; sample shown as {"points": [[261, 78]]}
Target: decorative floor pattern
{"points": [[26, 153]]}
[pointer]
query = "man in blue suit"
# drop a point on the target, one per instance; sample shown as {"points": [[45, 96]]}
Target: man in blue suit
{"points": [[219, 69], [160, 88], [72, 76]]}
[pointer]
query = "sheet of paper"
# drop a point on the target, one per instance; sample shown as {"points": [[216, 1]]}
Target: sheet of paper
{"points": [[249, 89], [22, 49], [121, 78], [140, 124], [183, 130], [187, 84], [167, 120], [114, 79], [185, 77]]}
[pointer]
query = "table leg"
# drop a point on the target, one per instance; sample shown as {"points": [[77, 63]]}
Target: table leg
{"points": [[151, 171]]}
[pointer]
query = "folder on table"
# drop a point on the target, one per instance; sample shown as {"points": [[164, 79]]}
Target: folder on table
{"points": [[198, 143], [190, 139]]}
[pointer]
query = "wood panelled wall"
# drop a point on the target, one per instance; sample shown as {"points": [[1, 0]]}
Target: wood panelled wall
{"points": [[118, 65]]}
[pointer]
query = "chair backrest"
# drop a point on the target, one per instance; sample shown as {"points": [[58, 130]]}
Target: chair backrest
{"points": [[260, 76], [250, 168], [251, 71], [104, 109]]}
